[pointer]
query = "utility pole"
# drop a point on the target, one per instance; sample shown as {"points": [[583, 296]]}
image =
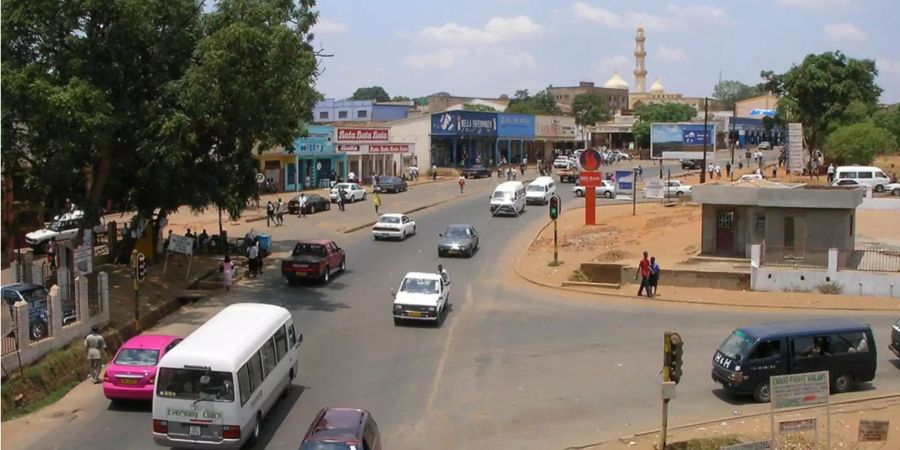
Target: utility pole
{"points": [[733, 138], [705, 137]]}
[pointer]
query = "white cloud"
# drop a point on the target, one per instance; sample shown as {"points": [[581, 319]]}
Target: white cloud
{"points": [[444, 58], [844, 31], [628, 20], [822, 5], [498, 29], [596, 14], [520, 60], [708, 15], [326, 26], [887, 66], [608, 65], [670, 54]]}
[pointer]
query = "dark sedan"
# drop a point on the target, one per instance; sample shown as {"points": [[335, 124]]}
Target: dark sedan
{"points": [[476, 171], [314, 204], [458, 240], [390, 184], [691, 164]]}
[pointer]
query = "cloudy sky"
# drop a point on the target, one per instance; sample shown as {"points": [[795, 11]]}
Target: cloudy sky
{"points": [[491, 47]]}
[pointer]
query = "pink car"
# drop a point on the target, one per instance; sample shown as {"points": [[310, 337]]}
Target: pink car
{"points": [[132, 373]]}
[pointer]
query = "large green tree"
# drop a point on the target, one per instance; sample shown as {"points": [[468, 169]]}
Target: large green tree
{"points": [[659, 113], [859, 143], [478, 107], [540, 103], [376, 93], [589, 109], [889, 119], [819, 91], [730, 91]]}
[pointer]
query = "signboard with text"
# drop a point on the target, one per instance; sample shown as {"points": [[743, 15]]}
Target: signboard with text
{"points": [[624, 181], [377, 149], [181, 244], [515, 125], [559, 127], [796, 426], [873, 430], [758, 445], [464, 123], [681, 140], [804, 389], [362, 135], [589, 179]]}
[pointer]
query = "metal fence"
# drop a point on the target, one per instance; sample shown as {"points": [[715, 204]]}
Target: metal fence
{"points": [[9, 336], [871, 259], [811, 258]]}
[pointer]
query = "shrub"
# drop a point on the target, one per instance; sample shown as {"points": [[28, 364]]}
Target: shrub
{"points": [[831, 287]]}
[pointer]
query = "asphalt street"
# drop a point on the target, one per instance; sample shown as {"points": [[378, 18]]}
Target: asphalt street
{"points": [[513, 365]]}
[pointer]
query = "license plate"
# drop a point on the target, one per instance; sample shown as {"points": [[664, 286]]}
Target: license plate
{"points": [[300, 274], [128, 380], [195, 430], [415, 314], [453, 250]]}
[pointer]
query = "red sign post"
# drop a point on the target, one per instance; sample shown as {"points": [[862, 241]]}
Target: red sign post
{"points": [[590, 179]]}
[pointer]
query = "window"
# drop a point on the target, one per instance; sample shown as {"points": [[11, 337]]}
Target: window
{"points": [[256, 373], [865, 175], [854, 342], [761, 221], [281, 345], [767, 349], [244, 384], [195, 384], [811, 347], [292, 338], [847, 175], [342, 114], [323, 115], [362, 114], [789, 232], [880, 174], [267, 352]]}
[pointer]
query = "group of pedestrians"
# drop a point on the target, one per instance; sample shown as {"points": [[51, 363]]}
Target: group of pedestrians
{"points": [[275, 213], [648, 270]]}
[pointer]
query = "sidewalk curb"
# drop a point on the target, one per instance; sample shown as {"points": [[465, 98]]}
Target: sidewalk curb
{"points": [[742, 417], [690, 302]]}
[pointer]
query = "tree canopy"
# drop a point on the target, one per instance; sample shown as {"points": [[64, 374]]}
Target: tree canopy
{"points": [[889, 119], [729, 92], [589, 108], [478, 107], [540, 103], [859, 143], [376, 93], [657, 113], [819, 91]]}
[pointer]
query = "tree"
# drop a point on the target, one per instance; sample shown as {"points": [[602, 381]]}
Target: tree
{"points": [[859, 143], [889, 119], [659, 113], [478, 107], [819, 91], [729, 92], [541, 103], [376, 93], [589, 109], [400, 98]]}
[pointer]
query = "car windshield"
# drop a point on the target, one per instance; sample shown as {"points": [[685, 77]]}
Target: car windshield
{"points": [[344, 186], [457, 233], [195, 384], [536, 188], [419, 286], [309, 249], [32, 295], [59, 225], [137, 357], [328, 446], [737, 344], [501, 195], [388, 180], [390, 219]]}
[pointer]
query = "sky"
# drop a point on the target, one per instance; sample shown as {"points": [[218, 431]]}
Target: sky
{"points": [[492, 47]]}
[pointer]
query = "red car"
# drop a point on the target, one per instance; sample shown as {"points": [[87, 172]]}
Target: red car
{"points": [[342, 429], [313, 260]]}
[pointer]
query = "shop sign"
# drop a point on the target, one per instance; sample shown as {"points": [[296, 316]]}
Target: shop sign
{"points": [[796, 426], [792, 391], [464, 123], [515, 125], [389, 148], [348, 148], [554, 127], [873, 430], [362, 135]]}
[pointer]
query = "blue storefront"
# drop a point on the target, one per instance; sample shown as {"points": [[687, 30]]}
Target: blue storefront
{"points": [[317, 158], [463, 138], [515, 137], [750, 131]]}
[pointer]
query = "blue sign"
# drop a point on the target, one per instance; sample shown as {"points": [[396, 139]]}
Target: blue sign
{"points": [[763, 112], [624, 180], [694, 137], [515, 125], [464, 123], [319, 139]]}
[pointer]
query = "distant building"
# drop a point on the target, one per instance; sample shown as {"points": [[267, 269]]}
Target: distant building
{"points": [[331, 110], [756, 107], [445, 102], [616, 96]]}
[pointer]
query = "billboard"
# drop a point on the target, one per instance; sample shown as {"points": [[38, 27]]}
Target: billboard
{"points": [[554, 127], [464, 123], [515, 125], [681, 140]]}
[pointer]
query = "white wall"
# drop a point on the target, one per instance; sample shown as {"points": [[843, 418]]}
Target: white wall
{"points": [[415, 131]]}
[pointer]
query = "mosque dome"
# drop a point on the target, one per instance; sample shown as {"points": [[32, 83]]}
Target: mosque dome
{"points": [[616, 82], [657, 87]]}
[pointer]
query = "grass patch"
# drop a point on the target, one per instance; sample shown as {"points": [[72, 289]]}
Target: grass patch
{"points": [[712, 443], [578, 275], [51, 398], [831, 288], [555, 263], [795, 288]]}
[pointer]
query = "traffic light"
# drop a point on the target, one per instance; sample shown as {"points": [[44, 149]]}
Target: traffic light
{"points": [[140, 270], [676, 352], [554, 207]]}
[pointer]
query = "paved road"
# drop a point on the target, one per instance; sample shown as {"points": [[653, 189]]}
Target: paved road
{"points": [[514, 366]]}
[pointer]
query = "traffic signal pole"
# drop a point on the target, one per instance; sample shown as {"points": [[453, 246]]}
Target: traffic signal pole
{"points": [[555, 204], [666, 374]]}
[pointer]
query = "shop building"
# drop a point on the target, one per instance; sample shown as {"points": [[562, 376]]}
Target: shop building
{"points": [[463, 138], [309, 165], [515, 137], [552, 133], [331, 110], [415, 130], [370, 151]]}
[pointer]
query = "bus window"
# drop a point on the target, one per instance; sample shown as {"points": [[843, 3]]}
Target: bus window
{"points": [[292, 338], [244, 384], [281, 345], [256, 373], [268, 357], [195, 384]]}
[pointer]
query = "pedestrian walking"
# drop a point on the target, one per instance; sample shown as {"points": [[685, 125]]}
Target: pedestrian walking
{"points": [[227, 271], [433, 173], [270, 213], [96, 346], [774, 170], [830, 173], [279, 213], [728, 169], [640, 172], [462, 183], [445, 276], [302, 202], [710, 168], [376, 200], [342, 198], [643, 271], [253, 258], [718, 170], [654, 276]]}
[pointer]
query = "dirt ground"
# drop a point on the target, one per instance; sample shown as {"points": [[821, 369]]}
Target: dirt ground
{"points": [[844, 428]]}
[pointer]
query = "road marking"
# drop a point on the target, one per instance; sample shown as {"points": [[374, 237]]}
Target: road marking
{"points": [[435, 385]]}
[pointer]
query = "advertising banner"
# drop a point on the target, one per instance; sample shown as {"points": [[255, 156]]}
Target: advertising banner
{"points": [[319, 139], [181, 244], [554, 127], [654, 188], [464, 123], [805, 389], [873, 430], [681, 140], [624, 180], [515, 125], [84, 261], [389, 148], [353, 134]]}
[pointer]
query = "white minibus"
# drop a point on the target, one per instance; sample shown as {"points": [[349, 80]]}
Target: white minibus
{"points": [[508, 197], [868, 176], [214, 388], [540, 190]]}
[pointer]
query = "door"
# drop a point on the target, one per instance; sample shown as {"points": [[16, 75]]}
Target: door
{"points": [[767, 359], [725, 232]]}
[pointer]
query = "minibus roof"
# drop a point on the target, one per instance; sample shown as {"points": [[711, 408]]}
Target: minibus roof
{"points": [[782, 329]]}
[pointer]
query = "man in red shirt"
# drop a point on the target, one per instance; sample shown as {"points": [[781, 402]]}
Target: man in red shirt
{"points": [[644, 271]]}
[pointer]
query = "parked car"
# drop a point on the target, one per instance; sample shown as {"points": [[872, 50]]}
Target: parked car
{"points": [[846, 182], [750, 177], [458, 240], [691, 164], [131, 374], [62, 228], [622, 156], [476, 171], [393, 226], [562, 162], [342, 429], [764, 145], [421, 296], [895, 339], [893, 188], [37, 298], [314, 204], [606, 189], [391, 184], [677, 189], [353, 192], [315, 259]]}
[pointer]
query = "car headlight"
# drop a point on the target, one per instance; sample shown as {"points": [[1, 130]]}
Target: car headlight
{"points": [[455, 246], [431, 309], [398, 307]]}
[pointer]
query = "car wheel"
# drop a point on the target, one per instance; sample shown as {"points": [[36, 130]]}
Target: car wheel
{"points": [[879, 188], [414, 229], [403, 235], [607, 194], [343, 265], [579, 194], [364, 196], [254, 436], [312, 209], [842, 383], [895, 192], [396, 322], [679, 194], [326, 276], [761, 393]]}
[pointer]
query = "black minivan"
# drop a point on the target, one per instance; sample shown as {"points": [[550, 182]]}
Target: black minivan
{"points": [[747, 358]]}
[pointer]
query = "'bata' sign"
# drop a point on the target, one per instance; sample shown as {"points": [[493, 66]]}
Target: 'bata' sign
{"points": [[362, 134], [389, 148]]}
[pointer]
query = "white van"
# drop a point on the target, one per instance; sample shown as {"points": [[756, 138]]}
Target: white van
{"points": [[865, 175], [540, 190], [508, 198]]}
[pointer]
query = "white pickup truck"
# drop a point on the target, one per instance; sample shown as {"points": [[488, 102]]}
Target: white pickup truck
{"points": [[63, 228], [422, 296]]}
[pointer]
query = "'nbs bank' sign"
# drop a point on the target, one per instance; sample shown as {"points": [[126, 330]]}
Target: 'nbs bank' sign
{"points": [[681, 140], [464, 123]]}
